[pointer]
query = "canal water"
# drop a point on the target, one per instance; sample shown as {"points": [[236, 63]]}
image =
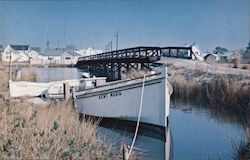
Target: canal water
{"points": [[196, 131]]}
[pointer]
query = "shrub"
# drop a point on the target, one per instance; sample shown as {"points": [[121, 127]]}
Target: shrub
{"points": [[237, 60]]}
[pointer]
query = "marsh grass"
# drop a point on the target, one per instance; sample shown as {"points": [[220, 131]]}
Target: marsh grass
{"points": [[28, 76], [241, 149], [136, 74], [220, 91], [53, 131], [3, 81], [237, 60], [50, 132]]}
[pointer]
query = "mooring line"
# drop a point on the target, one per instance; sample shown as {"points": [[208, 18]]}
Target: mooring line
{"points": [[138, 120]]}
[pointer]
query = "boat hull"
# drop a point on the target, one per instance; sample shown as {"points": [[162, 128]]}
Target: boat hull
{"points": [[122, 101]]}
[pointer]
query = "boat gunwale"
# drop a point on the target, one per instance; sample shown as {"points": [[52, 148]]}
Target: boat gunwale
{"points": [[120, 88], [121, 81]]}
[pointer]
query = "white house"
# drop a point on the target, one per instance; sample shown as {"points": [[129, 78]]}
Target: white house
{"points": [[25, 53], [90, 51], [35, 57], [16, 53], [196, 52], [69, 57], [53, 55], [60, 56]]}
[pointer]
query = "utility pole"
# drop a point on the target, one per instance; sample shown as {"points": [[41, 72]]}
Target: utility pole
{"points": [[111, 48], [116, 35]]}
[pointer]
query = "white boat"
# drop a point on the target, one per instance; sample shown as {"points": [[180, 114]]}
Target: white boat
{"points": [[51, 89], [121, 99], [34, 89], [27, 89]]}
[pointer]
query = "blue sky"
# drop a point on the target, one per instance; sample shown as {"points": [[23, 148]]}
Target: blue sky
{"points": [[208, 23]]}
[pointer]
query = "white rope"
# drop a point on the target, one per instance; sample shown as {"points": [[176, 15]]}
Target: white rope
{"points": [[139, 117]]}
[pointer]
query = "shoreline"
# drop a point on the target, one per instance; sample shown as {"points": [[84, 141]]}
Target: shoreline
{"points": [[4, 65]]}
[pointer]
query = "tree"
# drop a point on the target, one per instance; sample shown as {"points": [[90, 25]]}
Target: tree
{"points": [[220, 50], [248, 47]]}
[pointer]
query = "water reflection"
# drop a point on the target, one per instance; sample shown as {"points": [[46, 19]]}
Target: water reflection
{"points": [[150, 143], [200, 132], [221, 115], [55, 74]]}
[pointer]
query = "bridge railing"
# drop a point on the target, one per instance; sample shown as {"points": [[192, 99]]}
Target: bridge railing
{"points": [[177, 52], [138, 52]]}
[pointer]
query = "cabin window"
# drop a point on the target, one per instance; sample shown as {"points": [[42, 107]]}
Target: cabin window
{"points": [[49, 58], [67, 58]]}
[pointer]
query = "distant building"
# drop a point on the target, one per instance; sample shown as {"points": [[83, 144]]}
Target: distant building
{"points": [[53, 55], [211, 58], [89, 52], [17, 53], [226, 57], [219, 57], [26, 53], [20, 53], [60, 56], [196, 52]]}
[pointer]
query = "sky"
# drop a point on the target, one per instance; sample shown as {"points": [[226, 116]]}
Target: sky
{"points": [[208, 23]]}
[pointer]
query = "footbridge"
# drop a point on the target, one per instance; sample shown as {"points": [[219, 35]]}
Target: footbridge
{"points": [[115, 62]]}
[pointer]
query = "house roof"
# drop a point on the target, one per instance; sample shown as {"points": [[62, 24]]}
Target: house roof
{"points": [[54, 51], [58, 52], [72, 53], [20, 47], [10, 49]]}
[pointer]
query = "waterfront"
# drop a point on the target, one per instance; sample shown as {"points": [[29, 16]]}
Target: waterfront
{"points": [[197, 131]]}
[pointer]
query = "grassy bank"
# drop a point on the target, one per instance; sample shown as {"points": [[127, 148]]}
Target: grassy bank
{"points": [[211, 84], [218, 90], [49, 132]]}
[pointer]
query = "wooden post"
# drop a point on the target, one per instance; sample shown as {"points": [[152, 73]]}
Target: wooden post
{"points": [[9, 80], [119, 71], [124, 152], [74, 101], [18, 74], [10, 67], [66, 90]]}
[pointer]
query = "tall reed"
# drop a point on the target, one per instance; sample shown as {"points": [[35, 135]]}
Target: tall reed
{"points": [[49, 132], [237, 60], [219, 90]]}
